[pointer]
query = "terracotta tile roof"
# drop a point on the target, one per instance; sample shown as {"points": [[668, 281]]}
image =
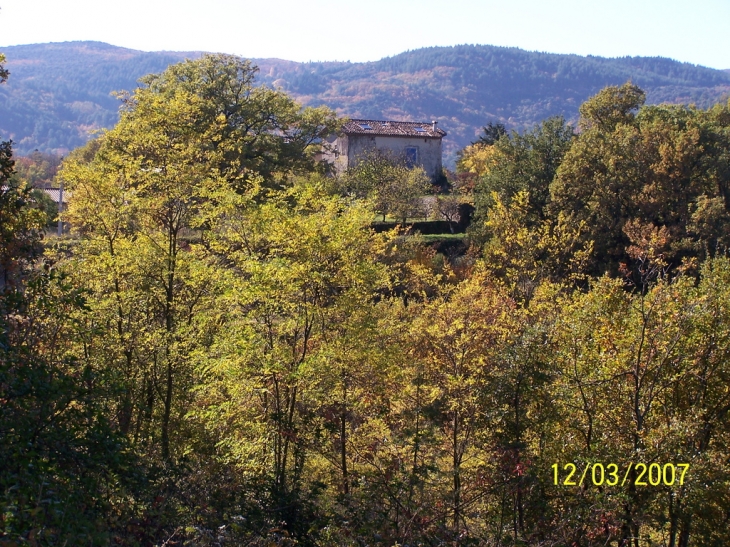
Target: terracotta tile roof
{"points": [[399, 129]]}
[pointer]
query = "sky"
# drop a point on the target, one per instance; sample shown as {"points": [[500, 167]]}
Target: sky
{"points": [[697, 32]]}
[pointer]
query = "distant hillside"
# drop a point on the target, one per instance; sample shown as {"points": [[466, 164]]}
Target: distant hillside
{"points": [[58, 92]]}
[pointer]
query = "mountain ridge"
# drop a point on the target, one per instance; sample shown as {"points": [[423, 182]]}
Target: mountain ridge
{"points": [[58, 92]]}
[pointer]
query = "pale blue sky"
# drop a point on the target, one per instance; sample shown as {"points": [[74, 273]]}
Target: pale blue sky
{"points": [[366, 30]]}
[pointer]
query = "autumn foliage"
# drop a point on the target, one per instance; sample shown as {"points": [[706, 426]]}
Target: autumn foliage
{"points": [[224, 352]]}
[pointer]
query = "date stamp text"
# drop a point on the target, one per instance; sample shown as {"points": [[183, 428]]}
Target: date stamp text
{"points": [[612, 474]]}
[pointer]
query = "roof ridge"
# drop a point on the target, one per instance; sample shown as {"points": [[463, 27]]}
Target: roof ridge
{"points": [[393, 128], [386, 121]]}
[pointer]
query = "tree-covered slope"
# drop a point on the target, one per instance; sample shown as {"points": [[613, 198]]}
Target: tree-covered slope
{"points": [[465, 86], [60, 91]]}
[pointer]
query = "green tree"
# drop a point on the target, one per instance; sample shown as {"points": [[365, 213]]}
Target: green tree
{"points": [[285, 370], [22, 224], [38, 169], [58, 450], [525, 255], [153, 292], [394, 189], [136, 203], [249, 129], [144, 197], [491, 133], [630, 174], [457, 343], [612, 106], [184, 138], [524, 162], [640, 382], [3, 71], [450, 207]]}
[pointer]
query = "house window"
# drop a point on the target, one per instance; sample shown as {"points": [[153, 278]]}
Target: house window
{"points": [[411, 156]]}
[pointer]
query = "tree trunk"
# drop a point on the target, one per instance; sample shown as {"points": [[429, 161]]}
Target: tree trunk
{"points": [[343, 437], [457, 473], [166, 413]]}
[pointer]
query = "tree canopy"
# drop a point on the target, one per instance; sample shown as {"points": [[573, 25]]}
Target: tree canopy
{"points": [[224, 350], [637, 181]]}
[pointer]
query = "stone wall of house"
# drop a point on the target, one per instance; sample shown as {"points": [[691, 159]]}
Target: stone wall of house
{"points": [[346, 150], [428, 150], [337, 153]]}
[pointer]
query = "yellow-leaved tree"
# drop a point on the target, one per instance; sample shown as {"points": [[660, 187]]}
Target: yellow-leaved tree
{"points": [[524, 255]]}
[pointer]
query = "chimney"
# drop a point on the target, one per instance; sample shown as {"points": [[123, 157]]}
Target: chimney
{"points": [[434, 122]]}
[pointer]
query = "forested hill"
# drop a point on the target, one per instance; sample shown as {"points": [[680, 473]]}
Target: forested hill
{"points": [[58, 92]]}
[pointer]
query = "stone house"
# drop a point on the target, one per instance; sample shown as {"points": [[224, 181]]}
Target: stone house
{"points": [[418, 143]]}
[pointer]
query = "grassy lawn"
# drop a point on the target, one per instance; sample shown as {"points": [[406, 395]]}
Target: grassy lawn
{"points": [[431, 238]]}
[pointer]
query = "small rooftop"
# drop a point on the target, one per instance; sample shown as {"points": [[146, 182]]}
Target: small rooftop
{"points": [[55, 194], [391, 128]]}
